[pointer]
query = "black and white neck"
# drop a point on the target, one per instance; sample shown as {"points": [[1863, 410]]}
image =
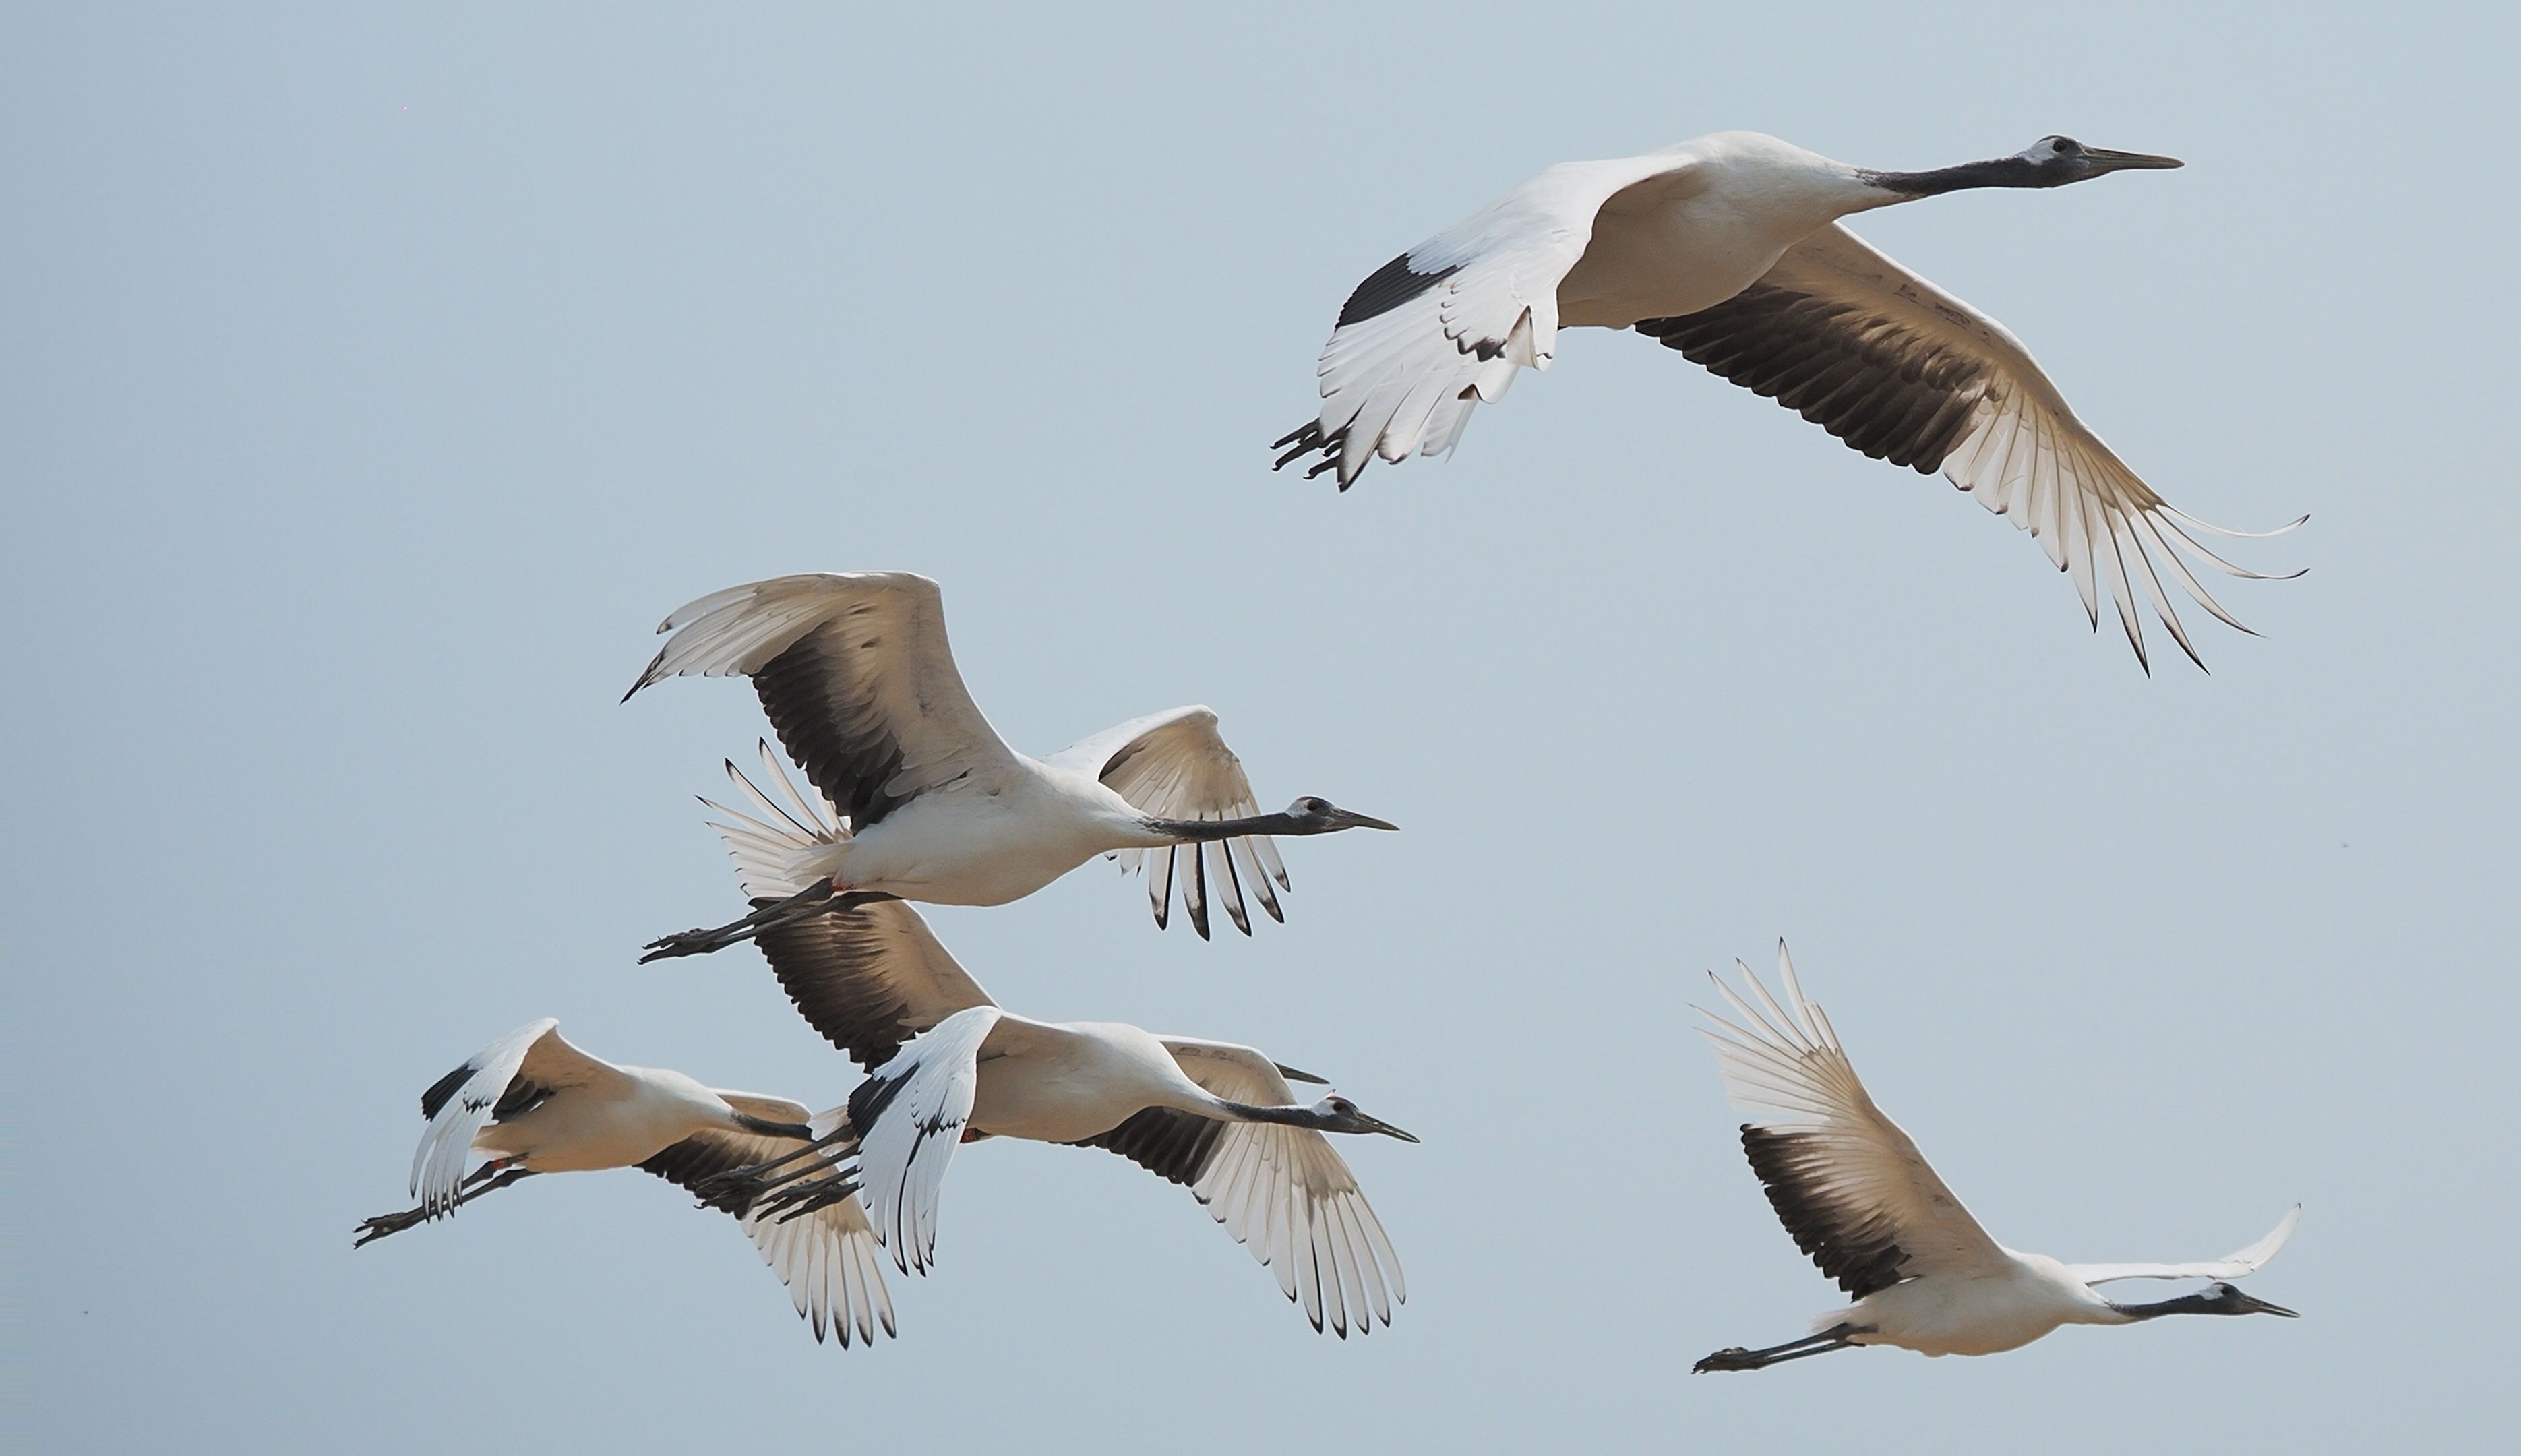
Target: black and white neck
{"points": [[1308, 815], [1332, 1114], [2219, 1298], [2050, 162]]}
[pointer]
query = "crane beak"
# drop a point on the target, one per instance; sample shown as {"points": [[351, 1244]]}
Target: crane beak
{"points": [[1351, 819], [2250, 1305], [2103, 160], [1377, 1125]]}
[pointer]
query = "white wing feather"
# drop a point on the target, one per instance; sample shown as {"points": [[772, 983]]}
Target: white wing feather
{"points": [[902, 1157], [900, 679], [1175, 766], [2024, 456], [1406, 379], [1285, 1194], [535, 1050], [1783, 1064], [827, 1259], [2231, 1266]]}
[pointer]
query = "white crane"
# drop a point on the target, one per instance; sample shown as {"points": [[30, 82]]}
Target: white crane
{"points": [[535, 1104], [1728, 248], [1860, 1198], [860, 685], [950, 1066]]}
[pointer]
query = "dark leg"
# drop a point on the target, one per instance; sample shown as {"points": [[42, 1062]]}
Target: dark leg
{"points": [[768, 1194], [818, 898], [373, 1229], [739, 1187], [1835, 1337], [808, 1198]]}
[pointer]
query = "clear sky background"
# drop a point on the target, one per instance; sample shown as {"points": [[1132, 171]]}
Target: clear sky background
{"points": [[376, 381]]}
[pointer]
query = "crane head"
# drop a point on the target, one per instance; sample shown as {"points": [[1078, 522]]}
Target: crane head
{"points": [[2060, 159], [2224, 1298], [1336, 1113], [1314, 814]]}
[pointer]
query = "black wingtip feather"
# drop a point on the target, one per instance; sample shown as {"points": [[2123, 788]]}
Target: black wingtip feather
{"points": [[1388, 288], [443, 1089]]}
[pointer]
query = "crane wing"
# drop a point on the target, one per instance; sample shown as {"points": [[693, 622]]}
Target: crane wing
{"points": [[910, 1114], [1906, 373], [1444, 327], [2231, 1266], [867, 979], [1173, 766], [502, 1079], [1851, 1187], [1284, 1193], [857, 675], [827, 1259]]}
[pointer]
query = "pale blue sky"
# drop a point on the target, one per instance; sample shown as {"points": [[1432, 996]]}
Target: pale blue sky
{"points": [[377, 379]]}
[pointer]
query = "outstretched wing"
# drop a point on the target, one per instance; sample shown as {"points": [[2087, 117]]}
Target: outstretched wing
{"points": [[502, 1079], [867, 979], [2231, 1266], [910, 1114], [1851, 1187], [827, 1259], [1282, 1192], [1173, 766], [857, 675], [1906, 373], [1444, 327]]}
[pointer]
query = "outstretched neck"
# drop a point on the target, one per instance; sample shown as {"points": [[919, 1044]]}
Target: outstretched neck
{"points": [[2184, 1304], [2002, 171], [1198, 831], [1290, 1116]]}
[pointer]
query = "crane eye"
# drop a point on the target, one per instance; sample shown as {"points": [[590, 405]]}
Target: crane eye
{"points": [[2064, 145]]}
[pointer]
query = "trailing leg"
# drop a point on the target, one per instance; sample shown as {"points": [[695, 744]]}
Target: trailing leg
{"points": [[1835, 1337], [817, 898], [372, 1229]]}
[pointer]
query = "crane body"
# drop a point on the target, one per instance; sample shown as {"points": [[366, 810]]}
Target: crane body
{"points": [[860, 685], [1729, 249], [1862, 1201]]}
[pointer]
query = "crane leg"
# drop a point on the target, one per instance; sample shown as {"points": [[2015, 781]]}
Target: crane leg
{"points": [[812, 1198], [818, 898], [749, 1184], [1835, 1337], [473, 1187]]}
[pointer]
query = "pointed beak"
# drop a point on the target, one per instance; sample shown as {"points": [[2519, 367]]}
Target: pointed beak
{"points": [[1377, 1125], [1351, 819], [2104, 159], [2253, 1305]]}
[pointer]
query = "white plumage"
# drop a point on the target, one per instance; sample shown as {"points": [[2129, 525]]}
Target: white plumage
{"points": [[1728, 248], [949, 1065], [1857, 1197], [535, 1103], [860, 685]]}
